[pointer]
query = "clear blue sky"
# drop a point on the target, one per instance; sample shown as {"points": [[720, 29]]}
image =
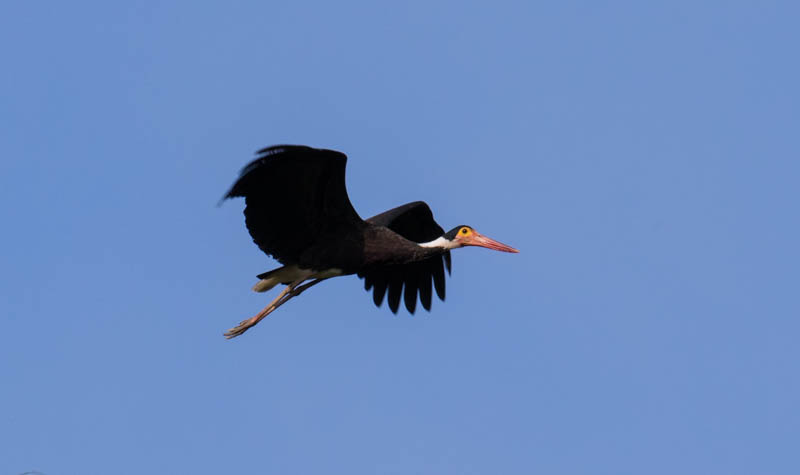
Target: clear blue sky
{"points": [[643, 156]]}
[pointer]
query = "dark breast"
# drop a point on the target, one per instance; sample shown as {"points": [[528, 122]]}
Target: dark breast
{"points": [[384, 247], [373, 246]]}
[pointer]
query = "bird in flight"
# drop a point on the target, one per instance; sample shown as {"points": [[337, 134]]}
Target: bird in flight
{"points": [[297, 211]]}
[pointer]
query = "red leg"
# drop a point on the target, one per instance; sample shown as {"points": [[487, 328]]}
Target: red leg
{"points": [[292, 290]]}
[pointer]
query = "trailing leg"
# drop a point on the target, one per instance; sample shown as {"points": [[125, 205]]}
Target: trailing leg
{"points": [[292, 290]]}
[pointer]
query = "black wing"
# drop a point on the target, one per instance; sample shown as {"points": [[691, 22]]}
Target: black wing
{"points": [[414, 221], [293, 195]]}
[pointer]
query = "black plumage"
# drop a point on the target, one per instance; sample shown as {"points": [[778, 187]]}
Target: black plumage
{"points": [[413, 221], [302, 189], [297, 210], [319, 228]]}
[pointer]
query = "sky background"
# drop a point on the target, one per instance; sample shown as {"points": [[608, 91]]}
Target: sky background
{"points": [[643, 156]]}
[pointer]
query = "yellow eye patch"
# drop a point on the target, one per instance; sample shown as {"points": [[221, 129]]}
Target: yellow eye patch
{"points": [[465, 231]]}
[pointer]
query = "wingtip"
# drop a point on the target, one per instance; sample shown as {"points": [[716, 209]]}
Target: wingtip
{"points": [[228, 195]]}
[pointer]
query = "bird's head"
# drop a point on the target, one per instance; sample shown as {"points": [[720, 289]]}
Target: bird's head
{"points": [[463, 235]]}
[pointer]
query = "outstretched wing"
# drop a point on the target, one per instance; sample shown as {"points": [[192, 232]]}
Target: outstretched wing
{"points": [[414, 221], [293, 195]]}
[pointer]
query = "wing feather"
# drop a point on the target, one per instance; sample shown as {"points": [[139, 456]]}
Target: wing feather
{"points": [[425, 292], [293, 195], [380, 285], [411, 287], [395, 292], [414, 221]]}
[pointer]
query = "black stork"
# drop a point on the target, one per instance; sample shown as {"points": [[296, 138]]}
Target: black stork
{"points": [[297, 210]]}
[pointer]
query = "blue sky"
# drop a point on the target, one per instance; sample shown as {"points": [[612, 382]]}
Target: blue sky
{"points": [[643, 156]]}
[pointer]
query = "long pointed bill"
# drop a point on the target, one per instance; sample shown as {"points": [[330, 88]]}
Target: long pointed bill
{"points": [[477, 239]]}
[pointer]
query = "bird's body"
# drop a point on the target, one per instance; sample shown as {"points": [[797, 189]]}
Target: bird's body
{"points": [[297, 210]]}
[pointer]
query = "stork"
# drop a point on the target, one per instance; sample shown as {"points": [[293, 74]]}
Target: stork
{"points": [[297, 211]]}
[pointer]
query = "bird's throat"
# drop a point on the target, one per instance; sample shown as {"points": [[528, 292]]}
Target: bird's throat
{"points": [[440, 243]]}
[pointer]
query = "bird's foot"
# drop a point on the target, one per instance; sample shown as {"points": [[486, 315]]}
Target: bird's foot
{"points": [[292, 290], [245, 325], [242, 327]]}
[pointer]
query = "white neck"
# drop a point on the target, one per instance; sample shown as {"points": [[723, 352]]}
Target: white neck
{"points": [[440, 242]]}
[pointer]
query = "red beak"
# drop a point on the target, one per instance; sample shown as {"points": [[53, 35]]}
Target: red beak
{"points": [[477, 239]]}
